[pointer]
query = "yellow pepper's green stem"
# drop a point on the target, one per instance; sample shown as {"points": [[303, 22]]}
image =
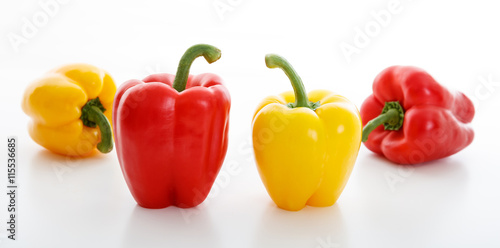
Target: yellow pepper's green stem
{"points": [[276, 61], [106, 144], [210, 53], [392, 117], [92, 116]]}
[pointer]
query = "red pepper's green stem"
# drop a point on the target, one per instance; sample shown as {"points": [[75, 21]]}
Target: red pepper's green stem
{"points": [[210, 53], [92, 116], [276, 61], [392, 117], [381, 119]]}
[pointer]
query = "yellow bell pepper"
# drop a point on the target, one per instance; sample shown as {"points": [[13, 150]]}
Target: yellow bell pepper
{"points": [[305, 145], [70, 109]]}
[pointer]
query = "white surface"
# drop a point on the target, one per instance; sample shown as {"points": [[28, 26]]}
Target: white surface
{"points": [[452, 202]]}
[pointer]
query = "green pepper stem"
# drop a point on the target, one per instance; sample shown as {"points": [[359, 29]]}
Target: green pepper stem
{"points": [[95, 115], [392, 117], [210, 53], [381, 119], [276, 61]]}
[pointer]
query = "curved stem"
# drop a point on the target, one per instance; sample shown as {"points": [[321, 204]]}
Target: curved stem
{"points": [[95, 115], [381, 119], [392, 117], [210, 53], [276, 61]]}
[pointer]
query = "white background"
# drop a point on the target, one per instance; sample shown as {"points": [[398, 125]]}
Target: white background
{"points": [[453, 202]]}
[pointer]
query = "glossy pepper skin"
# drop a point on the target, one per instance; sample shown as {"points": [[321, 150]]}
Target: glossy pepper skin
{"points": [[70, 108], [171, 133], [305, 145], [422, 120]]}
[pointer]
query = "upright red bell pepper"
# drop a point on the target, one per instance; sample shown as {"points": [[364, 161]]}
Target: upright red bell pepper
{"points": [[422, 121], [171, 133]]}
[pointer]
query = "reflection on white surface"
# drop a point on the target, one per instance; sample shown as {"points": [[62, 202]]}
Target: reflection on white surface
{"points": [[309, 227], [403, 204], [147, 228]]}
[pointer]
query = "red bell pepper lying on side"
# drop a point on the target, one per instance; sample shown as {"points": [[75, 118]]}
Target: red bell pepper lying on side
{"points": [[422, 121], [171, 133]]}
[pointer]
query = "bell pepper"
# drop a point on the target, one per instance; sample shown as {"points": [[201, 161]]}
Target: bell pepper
{"points": [[410, 118], [70, 109], [305, 145], [171, 133]]}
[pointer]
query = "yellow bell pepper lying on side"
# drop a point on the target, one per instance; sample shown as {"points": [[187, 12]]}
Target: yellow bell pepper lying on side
{"points": [[305, 146], [70, 109]]}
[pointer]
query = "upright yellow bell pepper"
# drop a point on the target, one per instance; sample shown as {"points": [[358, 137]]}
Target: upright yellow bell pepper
{"points": [[70, 109], [305, 145]]}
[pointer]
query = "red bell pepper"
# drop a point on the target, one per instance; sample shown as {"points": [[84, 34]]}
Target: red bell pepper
{"points": [[171, 133], [422, 121]]}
